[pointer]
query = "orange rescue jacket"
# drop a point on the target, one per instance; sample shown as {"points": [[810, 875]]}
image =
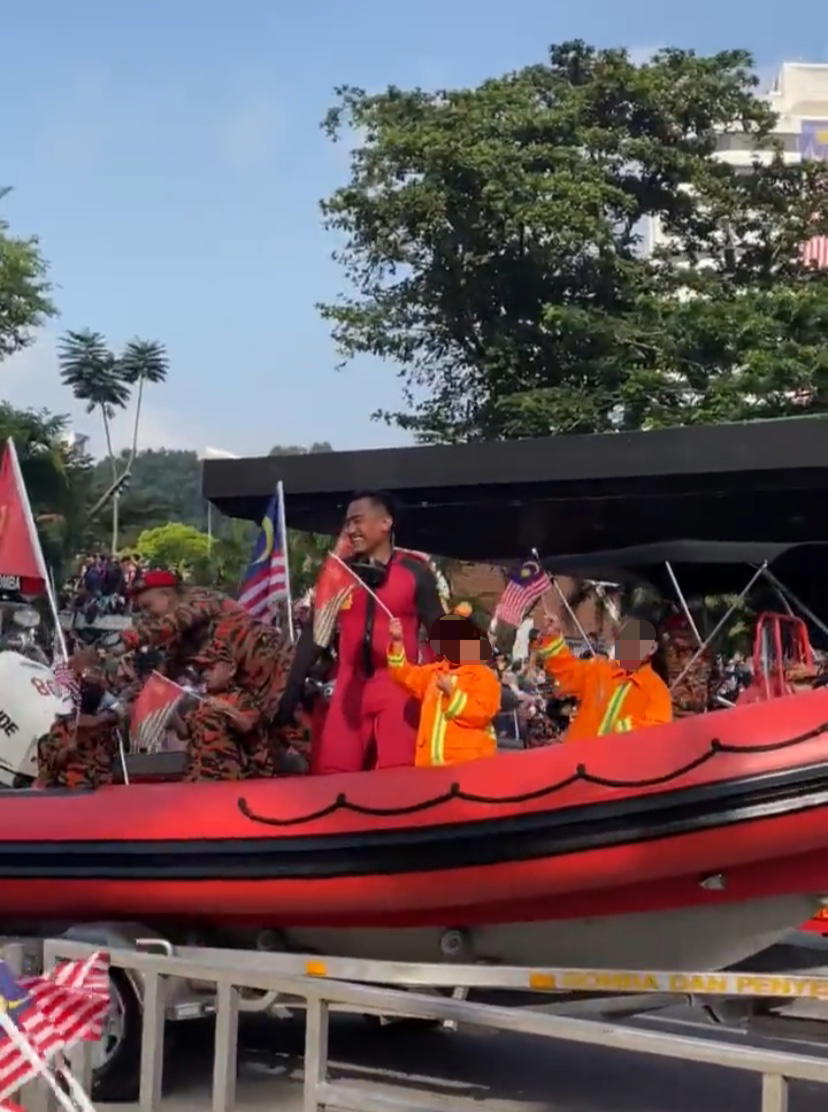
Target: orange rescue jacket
{"points": [[612, 700], [453, 728]]}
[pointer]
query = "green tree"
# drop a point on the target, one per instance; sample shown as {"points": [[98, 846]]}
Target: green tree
{"points": [[494, 240], [57, 478], [24, 290], [90, 370], [142, 361], [175, 545]]}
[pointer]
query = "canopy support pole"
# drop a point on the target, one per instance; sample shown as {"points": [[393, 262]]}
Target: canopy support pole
{"points": [[574, 617], [683, 603], [786, 591], [763, 570]]}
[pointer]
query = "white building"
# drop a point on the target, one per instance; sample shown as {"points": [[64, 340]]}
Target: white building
{"points": [[799, 96]]}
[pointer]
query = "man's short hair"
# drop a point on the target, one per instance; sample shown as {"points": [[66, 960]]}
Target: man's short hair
{"points": [[380, 499]]}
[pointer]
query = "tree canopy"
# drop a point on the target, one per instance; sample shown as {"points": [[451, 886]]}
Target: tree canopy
{"points": [[57, 477], [24, 289], [495, 238]]}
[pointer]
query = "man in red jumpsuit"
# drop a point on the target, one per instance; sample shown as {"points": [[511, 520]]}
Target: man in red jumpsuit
{"points": [[371, 721]]}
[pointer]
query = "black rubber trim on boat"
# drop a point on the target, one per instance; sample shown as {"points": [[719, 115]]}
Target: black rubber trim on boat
{"points": [[525, 837]]}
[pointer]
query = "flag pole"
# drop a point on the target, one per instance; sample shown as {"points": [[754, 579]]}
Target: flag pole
{"points": [[41, 1066], [35, 542], [567, 607], [362, 584], [280, 502]]}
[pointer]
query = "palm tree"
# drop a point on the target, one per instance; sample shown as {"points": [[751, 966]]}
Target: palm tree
{"points": [[90, 370], [142, 361], [92, 373]]}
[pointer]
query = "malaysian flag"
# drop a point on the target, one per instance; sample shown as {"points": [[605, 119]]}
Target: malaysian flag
{"points": [[525, 586], [157, 702], [266, 580], [334, 587], [51, 1013]]}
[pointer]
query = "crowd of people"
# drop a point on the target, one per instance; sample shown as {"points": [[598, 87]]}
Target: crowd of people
{"points": [[102, 585], [420, 688]]}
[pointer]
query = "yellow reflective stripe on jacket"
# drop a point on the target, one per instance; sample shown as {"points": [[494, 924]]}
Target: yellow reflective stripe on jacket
{"points": [[457, 704], [438, 730], [552, 649], [396, 660], [624, 725], [613, 711]]}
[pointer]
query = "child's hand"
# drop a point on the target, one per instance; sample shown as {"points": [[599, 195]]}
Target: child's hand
{"points": [[395, 629], [553, 626], [444, 683]]}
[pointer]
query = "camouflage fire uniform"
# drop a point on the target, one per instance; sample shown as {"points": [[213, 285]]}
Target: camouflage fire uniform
{"points": [[203, 618], [202, 626], [692, 694], [77, 753], [227, 728]]}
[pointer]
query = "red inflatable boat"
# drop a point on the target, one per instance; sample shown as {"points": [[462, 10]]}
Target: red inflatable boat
{"points": [[690, 845]]}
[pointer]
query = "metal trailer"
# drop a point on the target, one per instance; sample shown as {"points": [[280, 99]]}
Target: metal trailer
{"points": [[231, 975], [784, 992]]}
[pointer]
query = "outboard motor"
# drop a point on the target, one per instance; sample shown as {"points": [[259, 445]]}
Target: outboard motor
{"points": [[30, 701]]}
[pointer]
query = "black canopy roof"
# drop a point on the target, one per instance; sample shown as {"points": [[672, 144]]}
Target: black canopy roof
{"points": [[497, 500], [705, 567]]}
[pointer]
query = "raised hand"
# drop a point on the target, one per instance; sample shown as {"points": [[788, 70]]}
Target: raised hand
{"points": [[395, 629]]}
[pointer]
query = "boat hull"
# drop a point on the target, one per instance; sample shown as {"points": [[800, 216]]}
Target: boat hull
{"points": [[663, 831]]}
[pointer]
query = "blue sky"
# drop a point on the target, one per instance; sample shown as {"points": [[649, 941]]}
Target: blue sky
{"points": [[170, 159]]}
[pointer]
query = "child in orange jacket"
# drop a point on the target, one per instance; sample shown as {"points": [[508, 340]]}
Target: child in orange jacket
{"points": [[615, 696], [459, 693]]}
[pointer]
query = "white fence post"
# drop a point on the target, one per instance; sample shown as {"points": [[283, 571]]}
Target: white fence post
{"points": [[226, 1048], [152, 1042], [316, 1052], [774, 1093]]}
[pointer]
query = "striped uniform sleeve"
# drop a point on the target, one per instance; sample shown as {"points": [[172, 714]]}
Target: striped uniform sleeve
{"points": [[568, 672], [413, 677]]}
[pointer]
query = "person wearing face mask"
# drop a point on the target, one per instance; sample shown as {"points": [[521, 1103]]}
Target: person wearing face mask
{"points": [[615, 696], [459, 693]]}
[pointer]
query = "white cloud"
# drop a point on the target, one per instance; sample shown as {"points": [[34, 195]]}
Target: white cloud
{"points": [[639, 55]]}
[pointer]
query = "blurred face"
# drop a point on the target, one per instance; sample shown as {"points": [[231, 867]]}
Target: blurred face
{"points": [[156, 601], [635, 644], [367, 526], [458, 652]]}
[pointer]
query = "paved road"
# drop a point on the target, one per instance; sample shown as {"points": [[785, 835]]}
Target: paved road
{"points": [[472, 1070]]}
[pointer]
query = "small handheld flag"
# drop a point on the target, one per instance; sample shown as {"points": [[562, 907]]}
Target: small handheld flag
{"points": [[334, 587], [526, 584]]}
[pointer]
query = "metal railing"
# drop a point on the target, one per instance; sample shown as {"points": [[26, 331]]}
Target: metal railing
{"points": [[776, 1068]]}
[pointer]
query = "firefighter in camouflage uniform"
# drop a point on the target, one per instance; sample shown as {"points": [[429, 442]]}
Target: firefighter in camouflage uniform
{"points": [[691, 694], [194, 624], [228, 736], [79, 751]]}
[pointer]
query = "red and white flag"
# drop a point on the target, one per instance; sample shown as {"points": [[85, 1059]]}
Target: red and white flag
{"points": [[334, 587], [157, 702], [20, 553], [51, 1013]]}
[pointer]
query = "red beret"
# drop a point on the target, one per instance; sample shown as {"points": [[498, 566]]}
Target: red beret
{"points": [[155, 577]]}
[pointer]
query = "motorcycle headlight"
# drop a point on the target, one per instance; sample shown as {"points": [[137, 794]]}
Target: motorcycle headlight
{"points": [[26, 618]]}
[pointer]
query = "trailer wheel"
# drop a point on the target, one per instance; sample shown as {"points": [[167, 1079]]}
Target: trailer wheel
{"points": [[116, 1059]]}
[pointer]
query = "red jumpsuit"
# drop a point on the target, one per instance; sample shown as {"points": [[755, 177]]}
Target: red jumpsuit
{"points": [[371, 721]]}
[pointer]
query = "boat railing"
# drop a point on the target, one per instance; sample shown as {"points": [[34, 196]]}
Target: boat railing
{"points": [[320, 995]]}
